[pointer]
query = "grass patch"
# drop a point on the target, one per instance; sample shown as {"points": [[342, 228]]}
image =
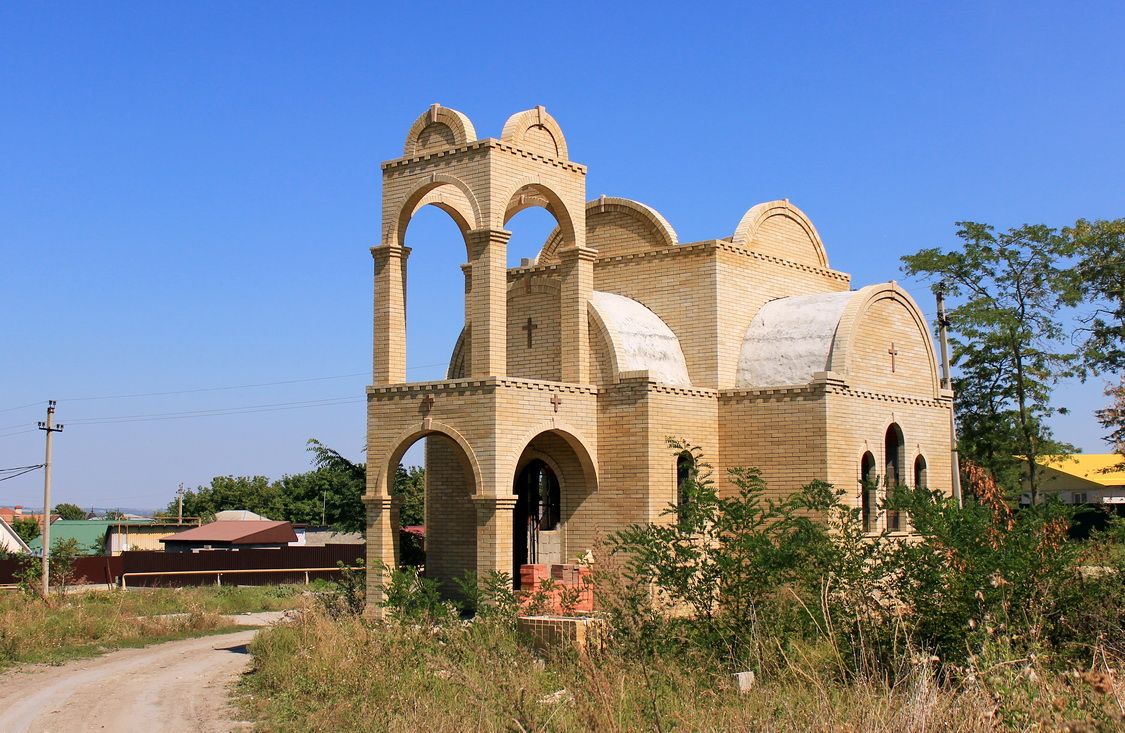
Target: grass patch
{"points": [[324, 674], [88, 624]]}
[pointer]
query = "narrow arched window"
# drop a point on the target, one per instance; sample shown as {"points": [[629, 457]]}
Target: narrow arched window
{"points": [[868, 484], [685, 477], [894, 452], [920, 481]]}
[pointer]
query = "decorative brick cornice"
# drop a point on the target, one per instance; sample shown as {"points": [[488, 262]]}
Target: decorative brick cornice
{"points": [[712, 245], [486, 384], [516, 273], [940, 403], [822, 389], [763, 394], [486, 144]]}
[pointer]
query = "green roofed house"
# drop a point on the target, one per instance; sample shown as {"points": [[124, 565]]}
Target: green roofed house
{"points": [[88, 533]]}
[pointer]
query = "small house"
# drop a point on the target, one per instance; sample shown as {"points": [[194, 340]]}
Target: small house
{"points": [[232, 536]]}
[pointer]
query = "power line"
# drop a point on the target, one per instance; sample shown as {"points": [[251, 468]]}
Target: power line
{"points": [[217, 412], [16, 475], [212, 389], [20, 468], [18, 432], [22, 407]]}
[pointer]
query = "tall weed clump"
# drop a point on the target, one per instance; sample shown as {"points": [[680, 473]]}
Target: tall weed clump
{"points": [[757, 581]]}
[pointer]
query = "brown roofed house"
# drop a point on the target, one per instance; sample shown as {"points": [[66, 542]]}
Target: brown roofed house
{"points": [[232, 535]]}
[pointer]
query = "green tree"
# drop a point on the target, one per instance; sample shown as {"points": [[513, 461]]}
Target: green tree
{"points": [[26, 528], [1097, 287], [70, 511], [115, 514], [1008, 341], [341, 484], [253, 493], [410, 486]]}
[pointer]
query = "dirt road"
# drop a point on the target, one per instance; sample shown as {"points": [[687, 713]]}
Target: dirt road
{"points": [[176, 687]]}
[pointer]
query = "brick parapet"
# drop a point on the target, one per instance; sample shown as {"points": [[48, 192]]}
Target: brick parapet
{"points": [[480, 145], [715, 245]]}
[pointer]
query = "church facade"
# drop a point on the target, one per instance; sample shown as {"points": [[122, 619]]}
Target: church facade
{"points": [[572, 371]]}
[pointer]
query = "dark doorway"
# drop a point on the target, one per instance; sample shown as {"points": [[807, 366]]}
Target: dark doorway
{"points": [[537, 509]]}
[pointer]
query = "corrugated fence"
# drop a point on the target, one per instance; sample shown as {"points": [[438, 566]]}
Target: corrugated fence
{"points": [[295, 559]]}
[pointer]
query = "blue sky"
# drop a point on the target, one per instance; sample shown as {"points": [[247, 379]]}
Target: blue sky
{"points": [[188, 191]]}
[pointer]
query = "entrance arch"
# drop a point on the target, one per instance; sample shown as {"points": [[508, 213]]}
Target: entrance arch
{"points": [[452, 478], [552, 522]]}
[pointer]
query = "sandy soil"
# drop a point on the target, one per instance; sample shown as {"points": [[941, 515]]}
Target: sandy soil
{"points": [[176, 687]]}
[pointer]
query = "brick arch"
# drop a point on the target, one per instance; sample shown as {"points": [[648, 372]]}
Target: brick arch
{"points": [[774, 227], [384, 478], [536, 131], [530, 191], [438, 128], [573, 438], [448, 193], [659, 233], [844, 358]]}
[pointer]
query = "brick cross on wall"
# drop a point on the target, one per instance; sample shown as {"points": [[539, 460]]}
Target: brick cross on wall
{"points": [[530, 328], [893, 352], [556, 401]]}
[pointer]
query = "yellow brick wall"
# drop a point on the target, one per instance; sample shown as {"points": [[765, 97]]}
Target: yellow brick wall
{"points": [[541, 303], [887, 321], [779, 432], [678, 285]]}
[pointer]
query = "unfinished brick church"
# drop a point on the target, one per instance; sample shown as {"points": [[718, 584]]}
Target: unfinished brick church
{"points": [[573, 370]]}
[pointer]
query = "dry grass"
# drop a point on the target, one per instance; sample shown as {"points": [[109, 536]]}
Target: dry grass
{"points": [[90, 623], [321, 674]]}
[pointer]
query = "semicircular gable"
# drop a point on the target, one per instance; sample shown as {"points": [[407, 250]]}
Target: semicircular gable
{"points": [[640, 340], [779, 229], [536, 131], [616, 226], [790, 340], [438, 128], [883, 344]]}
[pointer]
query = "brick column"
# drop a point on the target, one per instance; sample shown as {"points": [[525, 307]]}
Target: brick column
{"points": [[382, 548], [488, 298], [494, 533], [467, 269], [389, 352], [577, 270]]}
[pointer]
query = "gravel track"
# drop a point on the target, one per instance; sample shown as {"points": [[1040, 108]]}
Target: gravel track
{"points": [[174, 687]]}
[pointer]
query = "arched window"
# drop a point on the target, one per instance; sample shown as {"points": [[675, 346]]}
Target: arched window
{"points": [[685, 474], [868, 485], [920, 473], [894, 451]]}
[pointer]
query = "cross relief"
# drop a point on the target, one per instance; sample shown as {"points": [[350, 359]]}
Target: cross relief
{"points": [[893, 352], [556, 401], [530, 327]]}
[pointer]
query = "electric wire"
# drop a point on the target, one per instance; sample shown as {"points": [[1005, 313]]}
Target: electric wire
{"points": [[20, 468], [268, 407], [16, 475], [212, 389]]}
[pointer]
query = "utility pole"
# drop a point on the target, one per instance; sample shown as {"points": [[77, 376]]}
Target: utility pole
{"points": [[947, 383], [180, 502], [323, 502], [51, 428]]}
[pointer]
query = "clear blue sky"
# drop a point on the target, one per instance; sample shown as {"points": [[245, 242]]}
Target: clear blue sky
{"points": [[188, 191]]}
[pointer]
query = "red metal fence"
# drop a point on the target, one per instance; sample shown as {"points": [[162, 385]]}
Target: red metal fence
{"points": [[109, 569]]}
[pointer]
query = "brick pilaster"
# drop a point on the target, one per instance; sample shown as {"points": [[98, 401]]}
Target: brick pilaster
{"points": [[488, 316], [389, 352]]}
